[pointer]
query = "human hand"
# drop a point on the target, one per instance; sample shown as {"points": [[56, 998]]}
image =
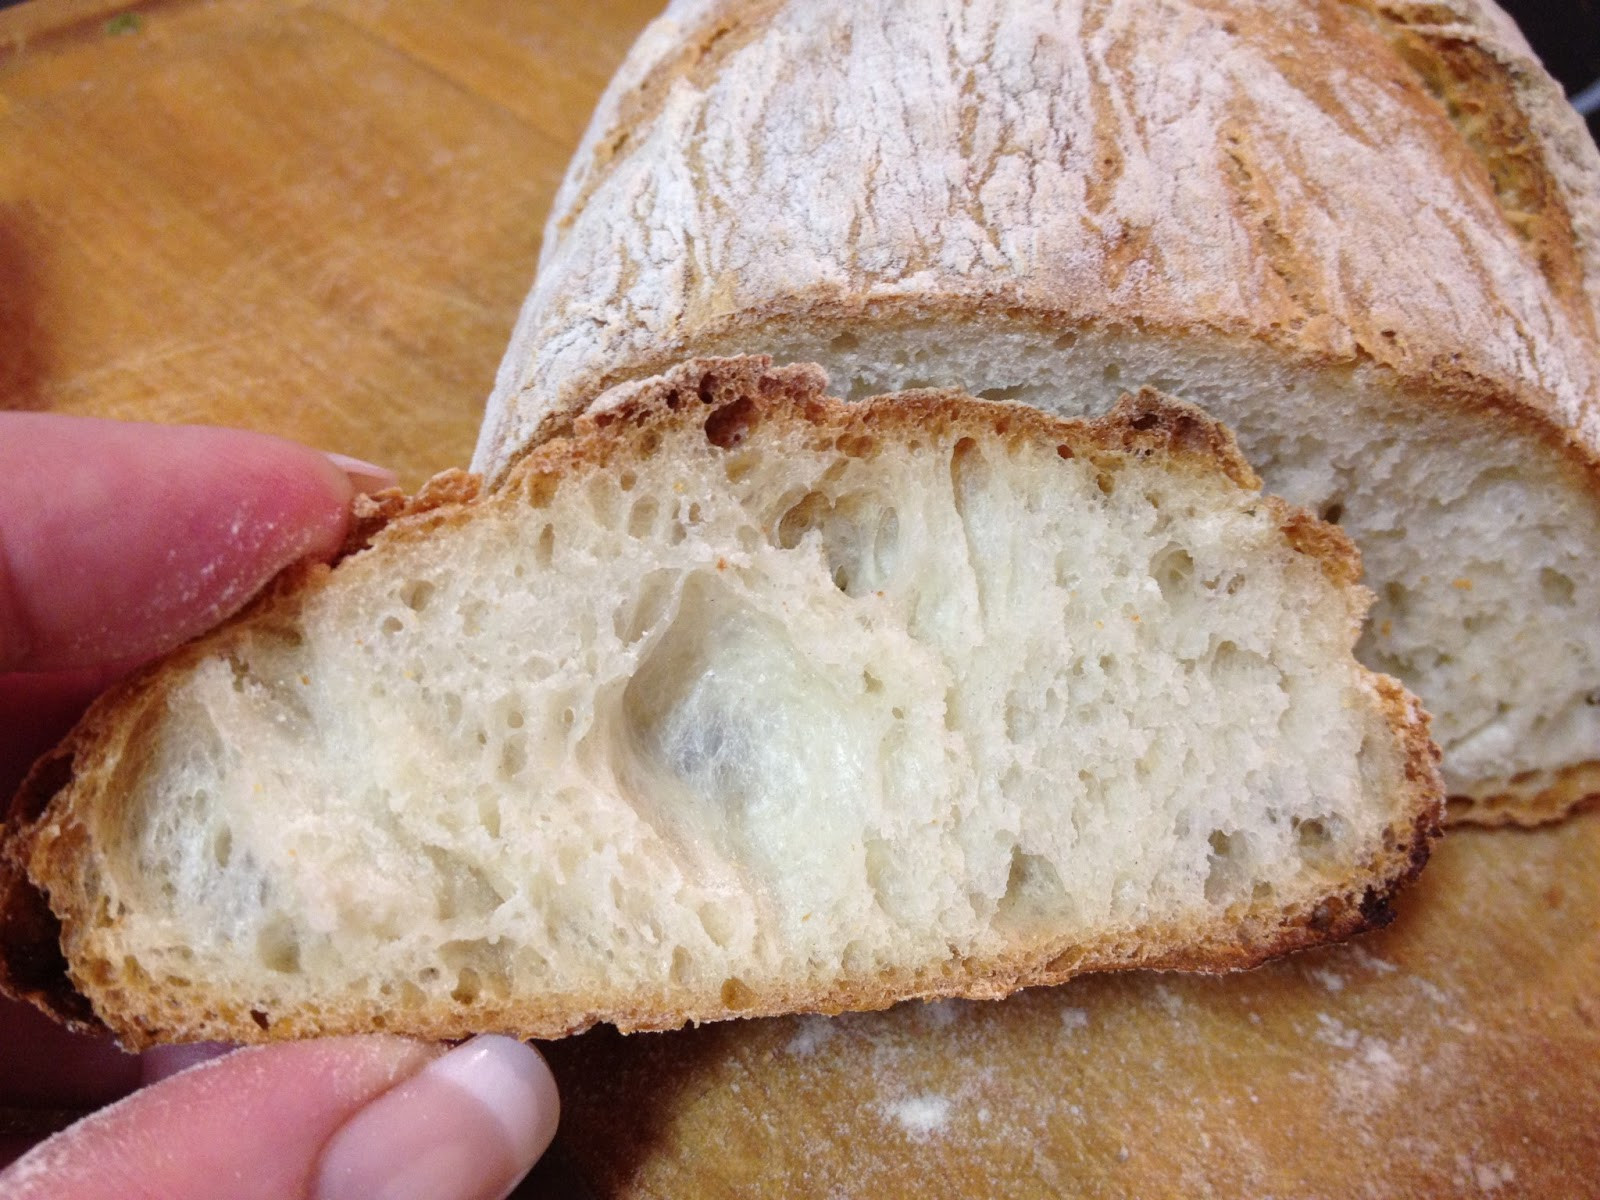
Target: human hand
{"points": [[118, 542]]}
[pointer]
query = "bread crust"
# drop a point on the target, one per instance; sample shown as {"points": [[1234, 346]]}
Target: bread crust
{"points": [[50, 843], [1514, 164], [1424, 212]]}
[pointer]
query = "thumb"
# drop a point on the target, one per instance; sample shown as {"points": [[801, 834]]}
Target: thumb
{"points": [[320, 1120]]}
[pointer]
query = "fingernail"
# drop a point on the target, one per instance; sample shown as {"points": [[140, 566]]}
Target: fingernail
{"points": [[468, 1126], [364, 476]]}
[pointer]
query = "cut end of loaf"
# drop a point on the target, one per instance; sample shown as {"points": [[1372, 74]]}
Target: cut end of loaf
{"points": [[743, 700]]}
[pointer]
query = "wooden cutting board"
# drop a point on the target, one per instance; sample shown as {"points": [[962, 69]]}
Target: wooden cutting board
{"points": [[319, 219]]}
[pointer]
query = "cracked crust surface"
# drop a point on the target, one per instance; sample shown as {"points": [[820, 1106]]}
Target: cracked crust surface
{"points": [[1129, 184]]}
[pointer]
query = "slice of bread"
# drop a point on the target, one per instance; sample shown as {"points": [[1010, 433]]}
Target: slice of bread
{"points": [[740, 700], [1378, 263]]}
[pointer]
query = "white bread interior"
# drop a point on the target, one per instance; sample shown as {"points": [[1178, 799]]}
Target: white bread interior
{"points": [[744, 701], [1378, 263]]}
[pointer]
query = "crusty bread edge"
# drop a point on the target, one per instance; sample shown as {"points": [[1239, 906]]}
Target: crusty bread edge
{"points": [[48, 845]]}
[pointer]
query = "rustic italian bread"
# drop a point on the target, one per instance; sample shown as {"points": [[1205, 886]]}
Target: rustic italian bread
{"points": [[740, 700], [1379, 262]]}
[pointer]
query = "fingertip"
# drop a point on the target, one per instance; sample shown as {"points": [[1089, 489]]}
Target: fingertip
{"points": [[139, 537], [250, 1125], [468, 1126]]}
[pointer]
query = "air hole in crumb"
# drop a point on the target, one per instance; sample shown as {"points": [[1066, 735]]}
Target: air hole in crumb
{"points": [[856, 445], [1104, 481], [627, 480], [391, 625], [222, 846], [1312, 835], [806, 514], [415, 595], [260, 1018], [1064, 450], [568, 719], [1556, 588], [642, 517], [1224, 874], [731, 424], [870, 683], [681, 966], [469, 985], [1173, 570], [278, 947], [513, 757], [736, 995], [736, 466], [1396, 597], [719, 924], [843, 342], [1002, 394], [544, 548], [1065, 341], [1112, 372], [515, 719], [1332, 512], [539, 490], [1145, 422]]}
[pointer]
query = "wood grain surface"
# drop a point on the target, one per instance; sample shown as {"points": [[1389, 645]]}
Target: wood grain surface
{"points": [[318, 219]]}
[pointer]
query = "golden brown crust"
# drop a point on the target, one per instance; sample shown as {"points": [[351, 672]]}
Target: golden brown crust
{"points": [[72, 799], [1529, 799]]}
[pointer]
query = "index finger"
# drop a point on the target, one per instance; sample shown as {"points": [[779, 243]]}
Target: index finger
{"points": [[119, 541]]}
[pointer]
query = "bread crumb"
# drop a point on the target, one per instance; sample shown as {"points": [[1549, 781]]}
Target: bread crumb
{"points": [[814, 1033], [1331, 980], [920, 1116]]}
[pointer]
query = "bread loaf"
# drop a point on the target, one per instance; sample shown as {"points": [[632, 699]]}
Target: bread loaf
{"points": [[1364, 233], [739, 700]]}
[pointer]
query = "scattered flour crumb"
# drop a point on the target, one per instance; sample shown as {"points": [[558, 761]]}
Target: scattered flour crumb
{"points": [[941, 1014], [1331, 980], [920, 1116], [1074, 1018], [814, 1033], [1168, 999], [1334, 1032], [1488, 1177], [1363, 957]]}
